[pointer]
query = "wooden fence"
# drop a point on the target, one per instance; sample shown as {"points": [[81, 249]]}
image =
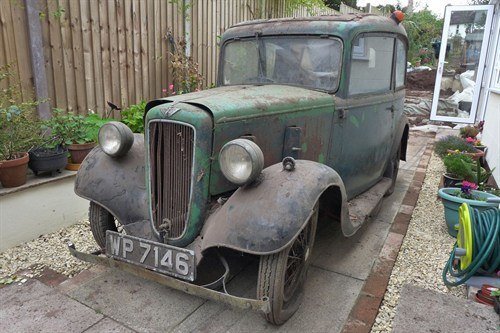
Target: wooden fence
{"points": [[116, 50]]}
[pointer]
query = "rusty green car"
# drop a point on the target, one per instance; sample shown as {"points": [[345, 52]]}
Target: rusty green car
{"points": [[306, 123]]}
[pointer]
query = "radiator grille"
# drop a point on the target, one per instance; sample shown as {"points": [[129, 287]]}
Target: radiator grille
{"points": [[171, 148]]}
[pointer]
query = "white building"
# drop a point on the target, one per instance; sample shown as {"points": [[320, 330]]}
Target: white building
{"points": [[489, 104]]}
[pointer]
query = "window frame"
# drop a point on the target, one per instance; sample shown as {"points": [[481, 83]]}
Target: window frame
{"points": [[495, 75], [391, 85], [405, 44]]}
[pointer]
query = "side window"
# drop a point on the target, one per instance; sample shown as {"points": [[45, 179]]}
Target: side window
{"points": [[400, 63], [371, 65], [240, 61]]}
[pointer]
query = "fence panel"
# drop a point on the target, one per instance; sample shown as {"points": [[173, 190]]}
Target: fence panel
{"points": [[118, 50]]}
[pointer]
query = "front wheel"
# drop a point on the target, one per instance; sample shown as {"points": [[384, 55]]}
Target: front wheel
{"points": [[100, 221], [282, 275]]}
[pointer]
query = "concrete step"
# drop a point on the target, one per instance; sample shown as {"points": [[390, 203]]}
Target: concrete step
{"points": [[422, 310]]}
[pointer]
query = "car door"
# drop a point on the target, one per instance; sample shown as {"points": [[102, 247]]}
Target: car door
{"points": [[367, 121]]}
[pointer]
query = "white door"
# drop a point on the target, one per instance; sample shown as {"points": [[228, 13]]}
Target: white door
{"points": [[460, 69]]}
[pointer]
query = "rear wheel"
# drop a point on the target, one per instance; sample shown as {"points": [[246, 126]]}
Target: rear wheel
{"points": [[392, 170], [100, 221], [282, 275]]}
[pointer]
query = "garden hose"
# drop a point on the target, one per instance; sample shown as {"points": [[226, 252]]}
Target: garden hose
{"points": [[477, 247]]}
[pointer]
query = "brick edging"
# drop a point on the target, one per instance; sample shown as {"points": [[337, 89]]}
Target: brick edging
{"points": [[365, 310]]}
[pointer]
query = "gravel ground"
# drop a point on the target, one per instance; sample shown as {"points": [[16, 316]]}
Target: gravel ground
{"points": [[47, 251], [424, 251]]}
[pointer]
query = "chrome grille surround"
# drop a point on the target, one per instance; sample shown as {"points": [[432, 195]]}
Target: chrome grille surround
{"points": [[171, 153]]}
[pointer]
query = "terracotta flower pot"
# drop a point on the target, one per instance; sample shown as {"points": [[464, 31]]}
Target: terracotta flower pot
{"points": [[78, 151], [13, 172]]}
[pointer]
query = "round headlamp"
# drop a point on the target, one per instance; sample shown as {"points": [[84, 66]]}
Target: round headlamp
{"points": [[241, 161], [115, 138]]}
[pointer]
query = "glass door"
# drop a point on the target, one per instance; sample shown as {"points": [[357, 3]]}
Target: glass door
{"points": [[460, 69]]}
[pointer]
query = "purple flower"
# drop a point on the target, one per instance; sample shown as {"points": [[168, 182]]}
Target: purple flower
{"points": [[467, 187]]}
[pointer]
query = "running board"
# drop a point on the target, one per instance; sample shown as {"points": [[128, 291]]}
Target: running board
{"points": [[367, 203]]}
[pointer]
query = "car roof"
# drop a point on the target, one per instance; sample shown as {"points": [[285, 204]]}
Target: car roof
{"points": [[345, 26]]}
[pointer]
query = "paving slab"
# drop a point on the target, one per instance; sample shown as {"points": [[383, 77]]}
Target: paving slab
{"points": [[421, 310], [108, 325], [137, 303], [353, 256], [327, 302], [35, 307]]}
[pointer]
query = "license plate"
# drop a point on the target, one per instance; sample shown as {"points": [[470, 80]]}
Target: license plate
{"points": [[155, 256]]}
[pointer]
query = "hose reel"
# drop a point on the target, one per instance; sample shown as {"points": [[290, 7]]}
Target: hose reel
{"points": [[477, 249]]}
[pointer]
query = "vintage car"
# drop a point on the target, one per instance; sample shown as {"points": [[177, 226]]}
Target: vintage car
{"points": [[306, 122]]}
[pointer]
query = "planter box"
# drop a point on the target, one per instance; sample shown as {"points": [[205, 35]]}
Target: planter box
{"points": [[43, 205]]}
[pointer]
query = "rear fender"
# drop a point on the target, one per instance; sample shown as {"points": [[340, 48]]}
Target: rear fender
{"points": [[265, 217], [118, 185], [401, 139]]}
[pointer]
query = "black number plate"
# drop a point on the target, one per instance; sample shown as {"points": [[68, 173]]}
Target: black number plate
{"points": [[158, 257]]}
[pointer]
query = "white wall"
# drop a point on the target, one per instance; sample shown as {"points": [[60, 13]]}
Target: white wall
{"points": [[491, 134], [490, 100]]}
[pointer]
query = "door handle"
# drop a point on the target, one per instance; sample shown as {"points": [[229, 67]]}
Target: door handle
{"points": [[343, 113]]}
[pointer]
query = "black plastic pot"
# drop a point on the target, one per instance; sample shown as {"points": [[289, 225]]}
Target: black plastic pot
{"points": [[44, 160], [450, 181]]}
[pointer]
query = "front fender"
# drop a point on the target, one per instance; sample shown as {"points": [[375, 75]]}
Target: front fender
{"points": [[117, 184], [266, 217]]}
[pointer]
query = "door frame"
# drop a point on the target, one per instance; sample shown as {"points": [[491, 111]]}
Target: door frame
{"points": [[441, 62]]}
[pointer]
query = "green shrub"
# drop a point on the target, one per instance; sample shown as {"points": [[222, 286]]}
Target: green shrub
{"points": [[133, 117], [454, 143], [69, 128], [19, 127], [457, 165]]}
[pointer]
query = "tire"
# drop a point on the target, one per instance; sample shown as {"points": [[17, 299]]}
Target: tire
{"points": [[100, 221], [392, 171], [285, 297]]}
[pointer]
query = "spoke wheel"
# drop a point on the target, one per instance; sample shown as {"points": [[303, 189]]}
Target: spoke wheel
{"points": [[282, 275], [100, 221]]}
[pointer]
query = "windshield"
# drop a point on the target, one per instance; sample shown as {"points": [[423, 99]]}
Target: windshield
{"points": [[306, 61]]}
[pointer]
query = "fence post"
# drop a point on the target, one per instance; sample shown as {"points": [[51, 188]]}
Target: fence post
{"points": [[37, 59], [186, 6]]}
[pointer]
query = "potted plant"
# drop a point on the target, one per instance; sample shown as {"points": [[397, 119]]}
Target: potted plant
{"points": [[48, 157], [452, 198], [453, 143], [456, 169], [76, 132], [17, 135], [18, 132], [469, 132]]}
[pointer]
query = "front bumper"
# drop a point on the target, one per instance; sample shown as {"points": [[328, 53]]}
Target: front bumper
{"points": [[189, 288]]}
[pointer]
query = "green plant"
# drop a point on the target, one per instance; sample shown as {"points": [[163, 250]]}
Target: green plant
{"points": [[69, 128], [185, 71], [422, 28], [477, 174], [465, 191], [19, 128], [469, 132], [451, 142], [456, 165], [133, 117]]}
